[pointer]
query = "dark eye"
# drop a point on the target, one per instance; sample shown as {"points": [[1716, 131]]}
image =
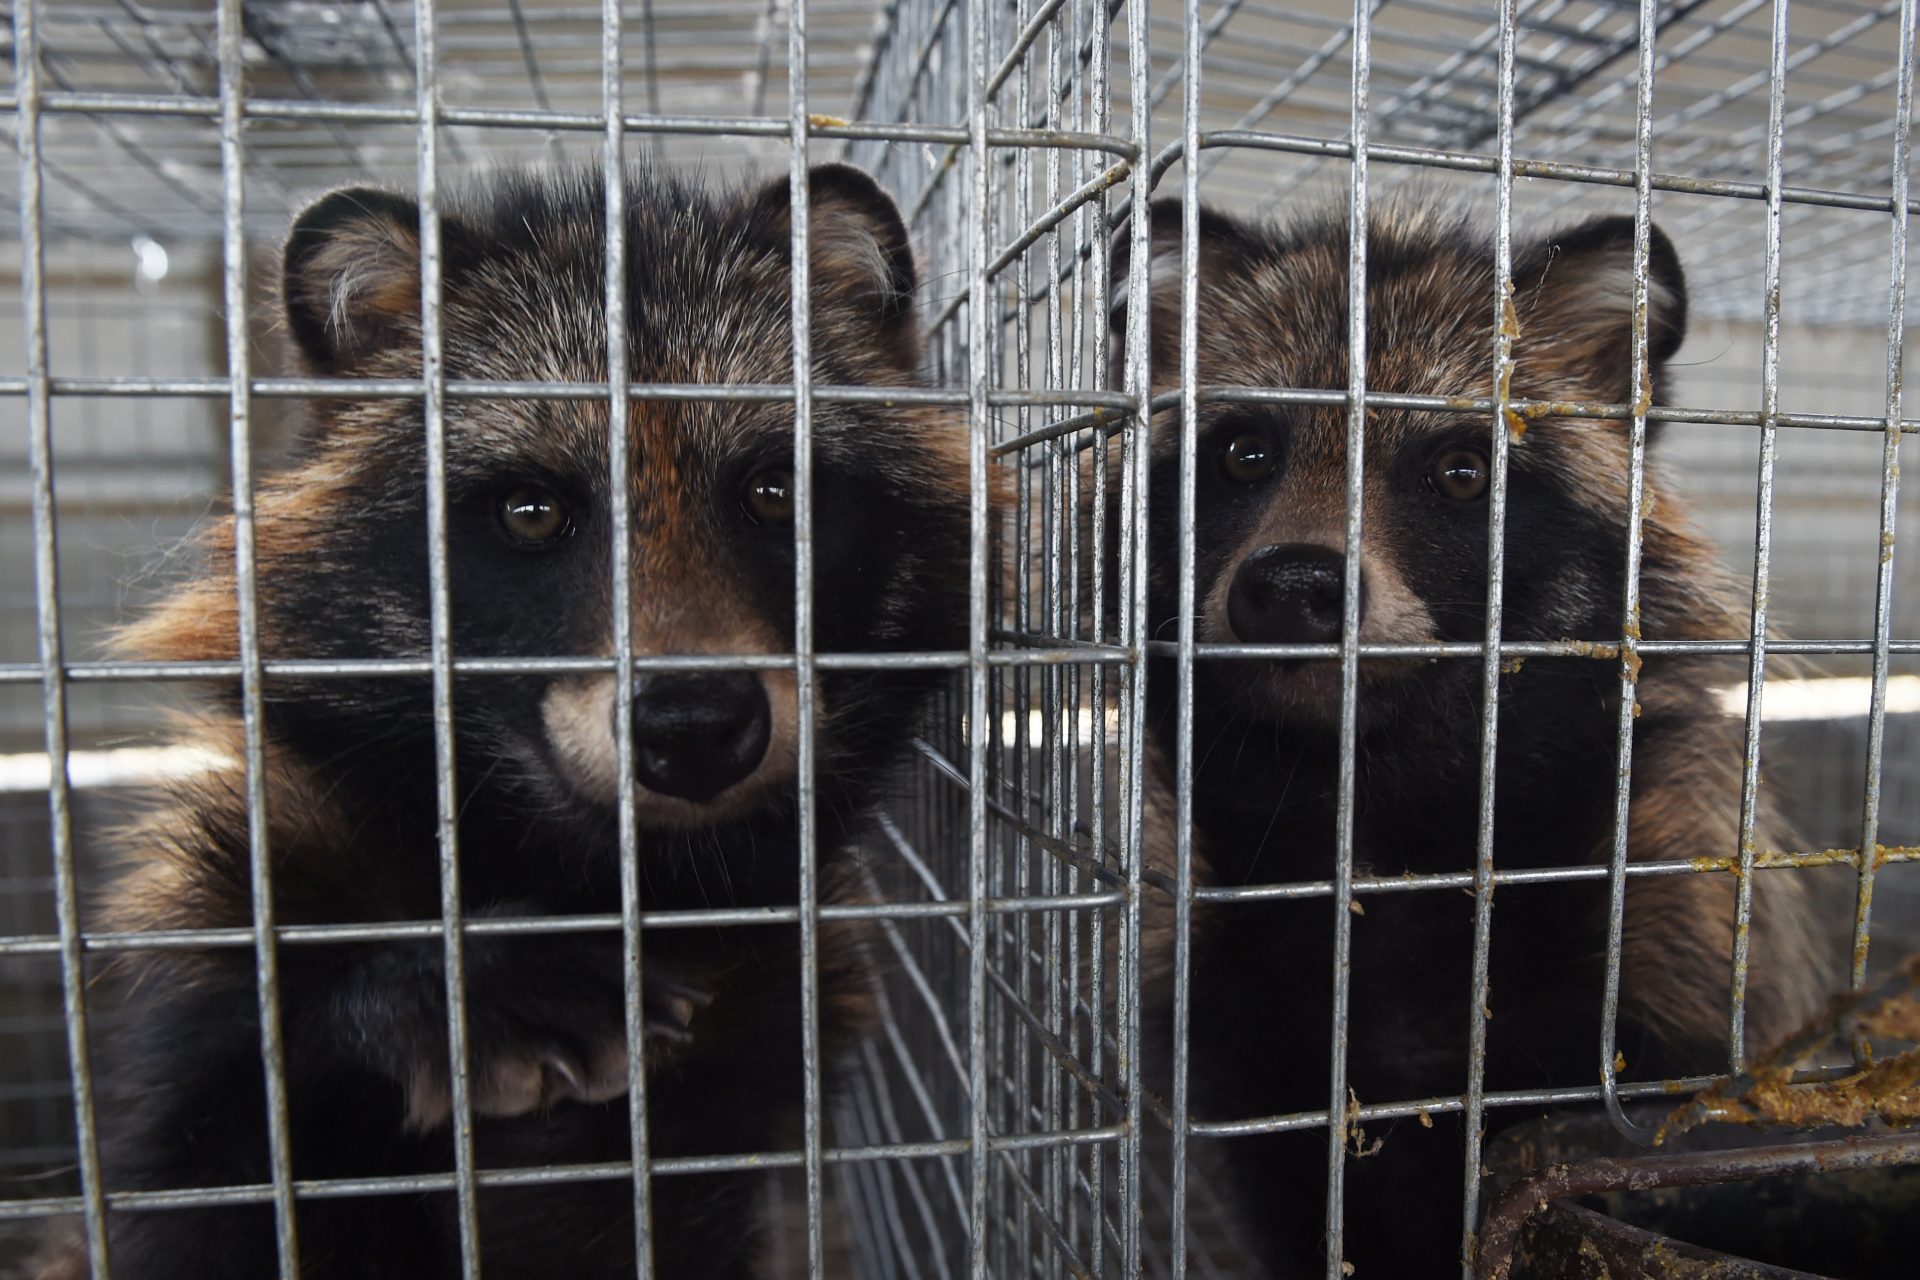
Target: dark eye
{"points": [[534, 517], [768, 497], [1248, 458], [1460, 474]]}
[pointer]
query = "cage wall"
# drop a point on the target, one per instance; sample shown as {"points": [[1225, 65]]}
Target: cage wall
{"points": [[1019, 853]]}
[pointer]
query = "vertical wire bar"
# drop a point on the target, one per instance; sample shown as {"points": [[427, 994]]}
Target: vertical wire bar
{"points": [[619, 411], [803, 577], [433, 378], [1070, 250], [1026, 1238], [1641, 390], [1063, 568], [52, 646], [1060, 687], [252, 697], [1889, 495], [1762, 543], [1009, 1220], [1184, 638], [1506, 329], [1349, 637], [1056, 686], [981, 311], [1090, 303], [1135, 451]]}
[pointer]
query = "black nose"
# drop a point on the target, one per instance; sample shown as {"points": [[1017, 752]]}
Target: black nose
{"points": [[696, 735], [1290, 594]]}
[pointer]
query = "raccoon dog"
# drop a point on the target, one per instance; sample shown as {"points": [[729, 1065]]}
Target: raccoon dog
{"points": [[351, 790], [1269, 559]]}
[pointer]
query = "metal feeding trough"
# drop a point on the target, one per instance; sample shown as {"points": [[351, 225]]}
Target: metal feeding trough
{"points": [[1572, 1200]]}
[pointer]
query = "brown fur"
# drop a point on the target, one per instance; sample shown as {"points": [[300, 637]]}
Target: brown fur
{"points": [[350, 789], [1273, 313], [1431, 334]]}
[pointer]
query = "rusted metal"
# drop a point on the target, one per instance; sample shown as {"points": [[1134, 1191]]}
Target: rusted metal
{"points": [[1886, 1087], [1500, 1230], [1567, 1242]]}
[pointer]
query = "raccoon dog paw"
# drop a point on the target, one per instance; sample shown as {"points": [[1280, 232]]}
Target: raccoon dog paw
{"points": [[542, 1033], [535, 1049], [520, 1079]]}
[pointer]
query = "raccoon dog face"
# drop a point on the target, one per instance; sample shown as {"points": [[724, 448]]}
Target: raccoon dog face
{"points": [[342, 536], [1271, 496]]}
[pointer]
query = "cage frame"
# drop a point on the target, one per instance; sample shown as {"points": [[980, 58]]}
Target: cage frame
{"points": [[1134, 170]]}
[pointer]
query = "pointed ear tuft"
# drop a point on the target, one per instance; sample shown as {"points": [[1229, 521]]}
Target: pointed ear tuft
{"points": [[860, 258], [1224, 240], [350, 277], [1574, 294]]}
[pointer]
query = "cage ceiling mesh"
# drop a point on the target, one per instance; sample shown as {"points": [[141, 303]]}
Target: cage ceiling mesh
{"points": [[1282, 69]]}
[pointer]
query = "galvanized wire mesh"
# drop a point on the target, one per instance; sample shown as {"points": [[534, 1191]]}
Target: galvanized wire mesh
{"points": [[1002, 1121]]}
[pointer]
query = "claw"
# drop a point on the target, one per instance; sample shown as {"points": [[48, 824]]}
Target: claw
{"points": [[699, 997], [428, 1100], [672, 1004], [561, 1067], [668, 1031]]}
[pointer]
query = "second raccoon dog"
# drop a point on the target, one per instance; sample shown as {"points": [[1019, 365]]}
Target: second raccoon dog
{"points": [[342, 573], [1269, 537]]}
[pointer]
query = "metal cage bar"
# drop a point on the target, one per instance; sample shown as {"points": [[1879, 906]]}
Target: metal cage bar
{"points": [[1505, 331], [620, 581], [1189, 425], [1005, 1119], [1762, 543], [252, 696], [979, 345], [440, 636], [49, 640], [1870, 848], [803, 579], [1345, 800], [1630, 636]]}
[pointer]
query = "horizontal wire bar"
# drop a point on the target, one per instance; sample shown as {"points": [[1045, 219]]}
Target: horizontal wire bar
{"points": [[1474, 162], [1093, 649], [1068, 656], [1603, 650], [379, 668], [1453, 1103], [1107, 422], [819, 126], [1109, 406], [1527, 410], [214, 387], [540, 926], [1413, 881], [1419, 881], [547, 1175], [1298, 1120]]}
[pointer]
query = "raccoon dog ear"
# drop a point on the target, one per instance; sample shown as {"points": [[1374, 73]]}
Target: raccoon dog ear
{"points": [[1573, 292], [1224, 240], [860, 259], [350, 276]]}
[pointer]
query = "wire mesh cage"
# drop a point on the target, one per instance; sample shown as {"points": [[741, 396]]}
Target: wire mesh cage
{"points": [[1019, 1103]]}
